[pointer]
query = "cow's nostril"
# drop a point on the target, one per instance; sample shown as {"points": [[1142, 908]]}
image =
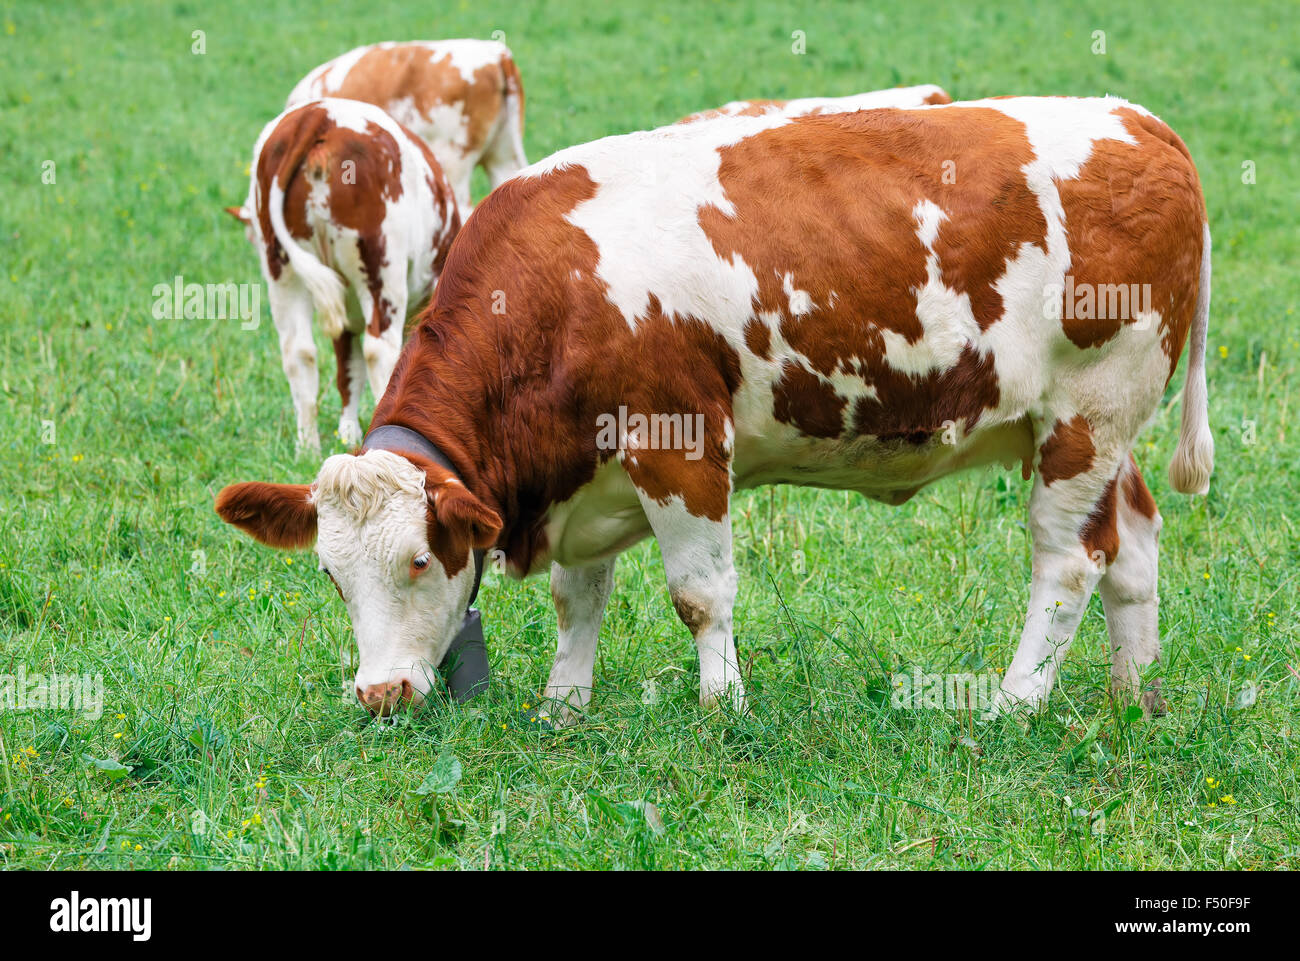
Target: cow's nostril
{"points": [[384, 699], [375, 697]]}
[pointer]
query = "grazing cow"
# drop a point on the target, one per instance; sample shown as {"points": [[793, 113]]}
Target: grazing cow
{"points": [[464, 98], [350, 214], [894, 97], [864, 301]]}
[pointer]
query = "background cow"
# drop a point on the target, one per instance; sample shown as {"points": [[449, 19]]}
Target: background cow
{"points": [[864, 301], [351, 215], [918, 96], [464, 98]]}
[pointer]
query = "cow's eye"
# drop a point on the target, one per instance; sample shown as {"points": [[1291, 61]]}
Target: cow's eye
{"points": [[421, 561]]}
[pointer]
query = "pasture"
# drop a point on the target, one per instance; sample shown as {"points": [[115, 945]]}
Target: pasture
{"points": [[229, 736]]}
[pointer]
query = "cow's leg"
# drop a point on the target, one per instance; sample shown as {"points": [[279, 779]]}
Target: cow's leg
{"points": [[701, 578], [385, 310], [1128, 592], [458, 168], [504, 156], [1073, 523], [349, 376], [580, 595], [291, 309]]}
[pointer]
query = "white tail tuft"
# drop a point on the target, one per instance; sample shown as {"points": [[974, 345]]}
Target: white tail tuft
{"points": [[323, 284], [1189, 471]]}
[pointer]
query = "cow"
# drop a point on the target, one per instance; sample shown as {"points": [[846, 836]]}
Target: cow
{"points": [[464, 98], [351, 215], [894, 97], [864, 301]]}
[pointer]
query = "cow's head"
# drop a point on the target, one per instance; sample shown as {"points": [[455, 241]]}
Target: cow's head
{"points": [[397, 540]]}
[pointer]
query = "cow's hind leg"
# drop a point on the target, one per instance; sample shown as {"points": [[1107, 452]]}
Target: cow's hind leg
{"points": [[291, 309], [1128, 592], [385, 311], [382, 298], [458, 168], [1073, 521], [350, 378], [580, 595]]}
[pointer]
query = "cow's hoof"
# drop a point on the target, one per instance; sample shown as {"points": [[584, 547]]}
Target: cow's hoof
{"points": [[1150, 700], [1014, 705], [731, 698], [1153, 704], [350, 434]]}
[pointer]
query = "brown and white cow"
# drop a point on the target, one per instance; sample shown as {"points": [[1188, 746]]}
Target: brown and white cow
{"points": [[873, 100], [350, 215], [863, 301], [464, 98]]}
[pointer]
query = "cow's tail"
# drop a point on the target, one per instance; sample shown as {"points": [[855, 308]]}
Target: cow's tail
{"points": [[1189, 471], [515, 92], [323, 285], [507, 149]]}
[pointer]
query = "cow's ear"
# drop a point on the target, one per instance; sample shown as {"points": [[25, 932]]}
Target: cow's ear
{"points": [[239, 214], [281, 515], [459, 521]]}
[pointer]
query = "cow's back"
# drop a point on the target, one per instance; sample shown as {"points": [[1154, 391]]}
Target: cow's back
{"points": [[872, 100], [360, 190], [869, 300], [447, 92]]}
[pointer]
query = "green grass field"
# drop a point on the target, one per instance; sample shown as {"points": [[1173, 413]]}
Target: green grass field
{"points": [[226, 665]]}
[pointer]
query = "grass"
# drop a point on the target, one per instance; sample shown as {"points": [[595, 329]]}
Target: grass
{"points": [[225, 665]]}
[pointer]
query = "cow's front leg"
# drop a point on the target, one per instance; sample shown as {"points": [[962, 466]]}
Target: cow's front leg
{"points": [[1073, 522], [580, 595], [702, 582]]}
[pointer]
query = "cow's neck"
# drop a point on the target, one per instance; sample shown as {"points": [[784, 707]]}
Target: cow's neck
{"points": [[447, 387]]}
